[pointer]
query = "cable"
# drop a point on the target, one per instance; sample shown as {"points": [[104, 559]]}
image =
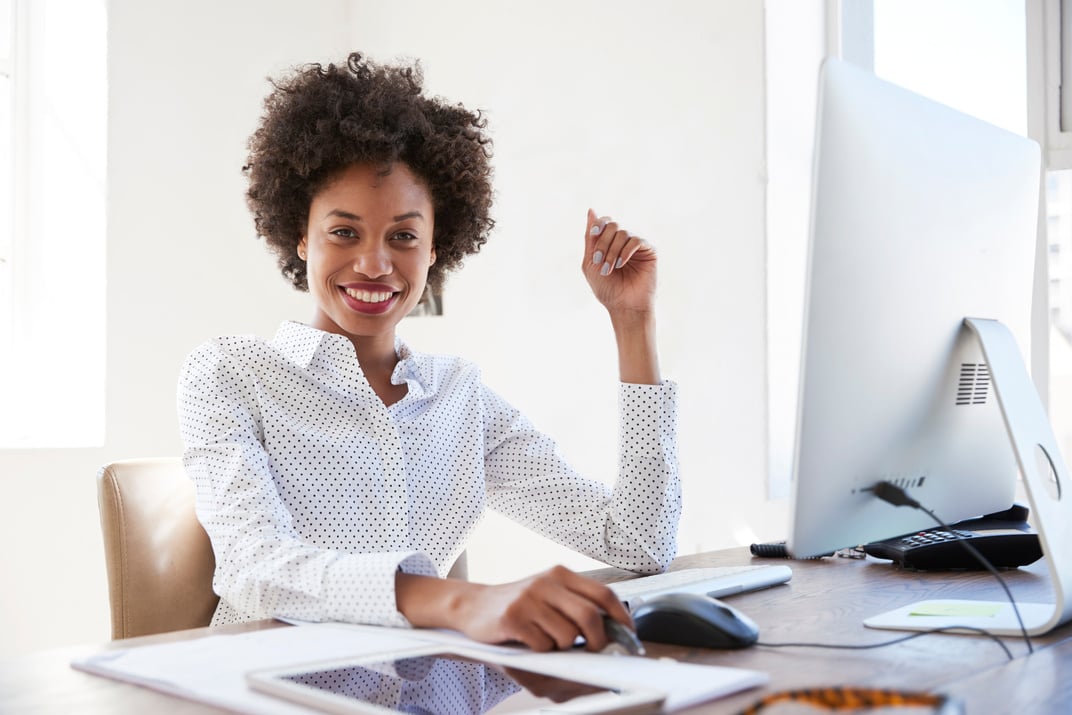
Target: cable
{"points": [[895, 495], [895, 641]]}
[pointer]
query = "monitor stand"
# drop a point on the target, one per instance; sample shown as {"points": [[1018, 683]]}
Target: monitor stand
{"points": [[1049, 491]]}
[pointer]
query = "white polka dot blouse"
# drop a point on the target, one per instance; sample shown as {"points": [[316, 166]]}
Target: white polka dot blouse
{"points": [[314, 493]]}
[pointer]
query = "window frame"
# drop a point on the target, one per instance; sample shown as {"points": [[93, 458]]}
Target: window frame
{"points": [[844, 30], [1049, 42]]}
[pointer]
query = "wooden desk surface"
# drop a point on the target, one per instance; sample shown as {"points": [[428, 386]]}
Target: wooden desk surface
{"points": [[826, 602]]}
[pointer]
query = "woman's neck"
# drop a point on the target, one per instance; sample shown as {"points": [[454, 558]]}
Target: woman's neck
{"points": [[377, 357]]}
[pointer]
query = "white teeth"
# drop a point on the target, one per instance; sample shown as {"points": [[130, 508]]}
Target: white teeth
{"points": [[366, 296]]}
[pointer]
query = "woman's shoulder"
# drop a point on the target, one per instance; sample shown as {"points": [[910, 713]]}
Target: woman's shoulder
{"points": [[231, 345], [229, 353]]}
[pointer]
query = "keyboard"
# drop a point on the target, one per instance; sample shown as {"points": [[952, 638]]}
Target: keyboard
{"points": [[717, 581]]}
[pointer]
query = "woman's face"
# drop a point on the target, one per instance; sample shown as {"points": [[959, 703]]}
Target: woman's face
{"points": [[368, 247]]}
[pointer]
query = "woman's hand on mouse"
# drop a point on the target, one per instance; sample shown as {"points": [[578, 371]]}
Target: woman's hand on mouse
{"points": [[545, 612]]}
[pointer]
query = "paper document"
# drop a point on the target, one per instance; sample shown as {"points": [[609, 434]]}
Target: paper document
{"points": [[212, 669]]}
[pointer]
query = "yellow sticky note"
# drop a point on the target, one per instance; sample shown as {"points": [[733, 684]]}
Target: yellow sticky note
{"points": [[954, 608]]}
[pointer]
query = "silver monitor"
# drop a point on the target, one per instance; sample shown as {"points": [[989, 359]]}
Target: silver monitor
{"points": [[921, 217]]}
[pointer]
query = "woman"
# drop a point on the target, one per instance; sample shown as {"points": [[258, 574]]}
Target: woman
{"points": [[339, 473]]}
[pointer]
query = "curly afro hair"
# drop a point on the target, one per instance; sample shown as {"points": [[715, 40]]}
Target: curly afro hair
{"points": [[319, 120]]}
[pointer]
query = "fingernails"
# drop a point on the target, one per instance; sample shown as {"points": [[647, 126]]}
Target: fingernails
{"points": [[605, 270], [595, 230], [597, 257], [619, 263]]}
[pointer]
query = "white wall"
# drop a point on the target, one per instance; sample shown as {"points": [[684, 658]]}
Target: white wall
{"points": [[652, 114], [185, 85]]}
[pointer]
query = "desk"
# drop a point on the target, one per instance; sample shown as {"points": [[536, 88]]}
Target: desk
{"points": [[826, 602]]}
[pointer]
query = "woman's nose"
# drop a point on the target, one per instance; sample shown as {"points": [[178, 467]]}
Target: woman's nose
{"points": [[371, 260]]}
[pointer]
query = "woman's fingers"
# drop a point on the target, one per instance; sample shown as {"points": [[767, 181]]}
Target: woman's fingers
{"points": [[550, 610], [610, 247]]}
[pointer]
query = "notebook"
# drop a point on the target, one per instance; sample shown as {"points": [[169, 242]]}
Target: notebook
{"points": [[717, 581]]}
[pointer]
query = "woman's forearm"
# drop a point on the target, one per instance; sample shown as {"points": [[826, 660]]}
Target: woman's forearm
{"points": [[638, 360], [429, 602]]}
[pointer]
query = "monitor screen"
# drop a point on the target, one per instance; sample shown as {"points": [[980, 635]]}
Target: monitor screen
{"points": [[921, 217]]}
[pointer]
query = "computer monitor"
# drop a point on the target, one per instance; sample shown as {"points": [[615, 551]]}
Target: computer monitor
{"points": [[921, 217]]}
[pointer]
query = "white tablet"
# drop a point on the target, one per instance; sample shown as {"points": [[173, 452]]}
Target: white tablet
{"points": [[438, 681]]}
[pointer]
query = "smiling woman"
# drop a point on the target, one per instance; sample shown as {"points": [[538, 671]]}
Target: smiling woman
{"points": [[339, 472], [368, 250], [377, 224], [323, 119]]}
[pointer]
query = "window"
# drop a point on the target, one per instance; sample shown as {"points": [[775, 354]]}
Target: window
{"points": [[52, 236], [794, 50], [7, 161], [975, 55], [1049, 33], [969, 54]]}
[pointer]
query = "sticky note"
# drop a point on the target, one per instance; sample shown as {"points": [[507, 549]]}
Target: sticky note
{"points": [[956, 608]]}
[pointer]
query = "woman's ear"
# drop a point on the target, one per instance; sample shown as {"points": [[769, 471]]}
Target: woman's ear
{"points": [[302, 247]]}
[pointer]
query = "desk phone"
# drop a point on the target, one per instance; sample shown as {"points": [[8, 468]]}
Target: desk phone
{"points": [[1004, 538]]}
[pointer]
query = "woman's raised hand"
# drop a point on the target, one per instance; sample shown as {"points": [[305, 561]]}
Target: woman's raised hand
{"points": [[619, 266]]}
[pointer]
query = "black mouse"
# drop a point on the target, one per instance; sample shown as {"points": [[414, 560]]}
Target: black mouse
{"points": [[693, 619]]}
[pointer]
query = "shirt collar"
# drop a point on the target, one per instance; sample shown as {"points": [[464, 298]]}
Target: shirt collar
{"points": [[300, 343], [413, 368]]}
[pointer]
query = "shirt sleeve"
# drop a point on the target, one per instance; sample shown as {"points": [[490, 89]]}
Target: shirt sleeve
{"points": [[263, 568], [632, 526]]}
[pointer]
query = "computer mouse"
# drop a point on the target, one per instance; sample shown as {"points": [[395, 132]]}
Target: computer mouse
{"points": [[693, 619]]}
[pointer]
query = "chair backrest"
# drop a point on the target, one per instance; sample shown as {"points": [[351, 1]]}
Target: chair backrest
{"points": [[159, 558]]}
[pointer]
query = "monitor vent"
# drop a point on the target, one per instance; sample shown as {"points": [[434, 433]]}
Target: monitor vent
{"points": [[907, 482], [974, 384]]}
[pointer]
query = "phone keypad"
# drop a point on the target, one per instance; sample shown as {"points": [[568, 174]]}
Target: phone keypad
{"points": [[934, 537]]}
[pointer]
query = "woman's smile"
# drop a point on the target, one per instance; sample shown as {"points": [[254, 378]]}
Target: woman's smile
{"points": [[368, 248], [372, 300]]}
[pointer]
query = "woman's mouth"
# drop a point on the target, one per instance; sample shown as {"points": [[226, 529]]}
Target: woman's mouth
{"points": [[368, 296], [369, 302]]}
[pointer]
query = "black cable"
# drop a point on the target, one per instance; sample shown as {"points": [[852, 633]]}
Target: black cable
{"points": [[895, 495], [895, 641]]}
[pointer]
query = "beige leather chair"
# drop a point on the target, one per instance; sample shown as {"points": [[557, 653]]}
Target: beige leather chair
{"points": [[158, 557]]}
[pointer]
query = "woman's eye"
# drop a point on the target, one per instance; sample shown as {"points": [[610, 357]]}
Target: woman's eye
{"points": [[405, 236], [343, 232]]}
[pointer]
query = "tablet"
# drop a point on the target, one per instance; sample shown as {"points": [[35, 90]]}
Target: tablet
{"points": [[438, 681]]}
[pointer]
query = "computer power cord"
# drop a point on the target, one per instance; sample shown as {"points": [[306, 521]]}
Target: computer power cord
{"points": [[894, 641], [895, 495]]}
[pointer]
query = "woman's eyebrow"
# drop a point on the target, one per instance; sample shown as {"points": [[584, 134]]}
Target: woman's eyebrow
{"points": [[342, 214], [354, 217]]}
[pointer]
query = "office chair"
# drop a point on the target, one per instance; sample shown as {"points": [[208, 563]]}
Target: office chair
{"points": [[159, 558]]}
